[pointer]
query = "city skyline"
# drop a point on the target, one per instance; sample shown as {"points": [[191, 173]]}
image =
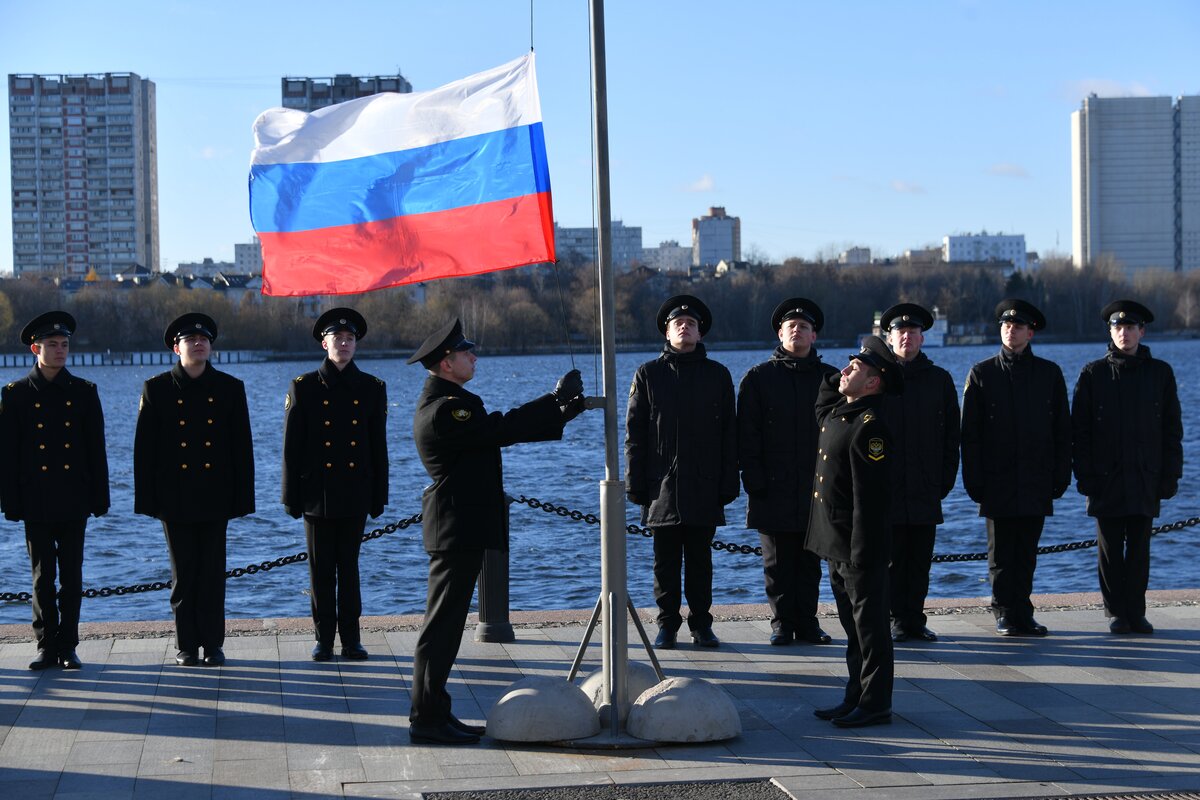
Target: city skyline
{"points": [[864, 124]]}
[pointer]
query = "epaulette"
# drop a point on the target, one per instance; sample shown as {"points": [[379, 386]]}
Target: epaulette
{"points": [[10, 386], [299, 378]]}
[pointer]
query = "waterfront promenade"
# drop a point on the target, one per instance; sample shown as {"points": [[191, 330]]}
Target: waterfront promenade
{"points": [[977, 715]]}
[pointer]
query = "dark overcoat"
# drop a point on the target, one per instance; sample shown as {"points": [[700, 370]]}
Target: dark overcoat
{"points": [[459, 443], [1127, 434], [193, 455], [924, 424], [1016, 435], [850, 518], [335, 458], [777, 439], [54, 466], [681, 440]]}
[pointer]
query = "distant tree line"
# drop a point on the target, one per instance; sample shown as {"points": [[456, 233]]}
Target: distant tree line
{"points": [[535, 308]]}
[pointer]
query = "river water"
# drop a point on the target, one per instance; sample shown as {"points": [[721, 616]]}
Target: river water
{"points": [[555, 562]]}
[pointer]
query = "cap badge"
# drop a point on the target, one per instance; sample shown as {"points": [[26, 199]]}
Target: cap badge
{"points": [[1121, 315], [57, 325], [198, 326], [341, 322], [905, 318]]}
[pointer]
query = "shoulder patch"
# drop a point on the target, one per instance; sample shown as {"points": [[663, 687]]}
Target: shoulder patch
{"points": [[875, 449], [461, 414]]}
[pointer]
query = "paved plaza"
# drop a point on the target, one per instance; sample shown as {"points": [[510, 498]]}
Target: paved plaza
{"points": [[977, 715]]}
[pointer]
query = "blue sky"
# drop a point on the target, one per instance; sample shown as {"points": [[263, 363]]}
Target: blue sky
{"points": [[821, 125]]}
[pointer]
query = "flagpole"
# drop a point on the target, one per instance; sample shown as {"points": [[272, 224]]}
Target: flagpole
{"points": [[613, 577]]}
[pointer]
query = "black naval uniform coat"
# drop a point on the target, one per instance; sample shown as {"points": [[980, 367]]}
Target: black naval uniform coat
{"points": [[1127, 441], [850, 526], [777, 450], [463, 513], [924, 423], [193, 469], [335, 473], [54, 474]]}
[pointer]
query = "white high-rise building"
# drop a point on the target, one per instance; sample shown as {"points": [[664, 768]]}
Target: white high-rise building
{"points": [[1135, 181], [309, 94], [580, 243], [716, 237], [984, 246], [84, 161]]}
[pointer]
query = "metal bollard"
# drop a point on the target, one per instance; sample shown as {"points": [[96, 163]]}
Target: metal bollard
{"points": [[493, 595]]}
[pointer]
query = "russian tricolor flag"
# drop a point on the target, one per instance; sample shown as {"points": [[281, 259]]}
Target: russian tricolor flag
{"points": [[401, 188]]}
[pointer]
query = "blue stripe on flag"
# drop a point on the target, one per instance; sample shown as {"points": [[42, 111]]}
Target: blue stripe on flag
{"points": [[453, 174]]}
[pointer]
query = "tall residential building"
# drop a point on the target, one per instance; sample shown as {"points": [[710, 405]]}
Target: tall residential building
{"points": [[716, 237], [580, 244], [248, 257], [1135, 181], [309, 94], [669, 256], [855, 256], [84, 161], [984, 246]]}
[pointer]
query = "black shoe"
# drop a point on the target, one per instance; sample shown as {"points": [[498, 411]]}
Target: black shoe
{"points": [[1031, 628], [475, 730], [69, 660], [861, 718], [1119, 625], [354, 652], [322, 652], [898, 633], [445, 733], [665, 640], [704, 637], [1141, 625], [813, 635], [922, 633], [1004, 627], [44, 660], [214, 656], [781, 637], [186, 658], [840, 710]]}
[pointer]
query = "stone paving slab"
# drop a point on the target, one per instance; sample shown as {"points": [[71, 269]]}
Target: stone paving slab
{"points": [[976, 716]]}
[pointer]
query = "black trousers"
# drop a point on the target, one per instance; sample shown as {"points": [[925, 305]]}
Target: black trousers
{"points": [[792, 576], [1124, 545], [197, 551], [1012, 559], [862, 604], [333, 546], [452, 576], [688, 547], [908, 573], [56, 551]]}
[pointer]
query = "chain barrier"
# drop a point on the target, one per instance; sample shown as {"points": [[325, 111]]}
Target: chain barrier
{"points": [[561, 511]]}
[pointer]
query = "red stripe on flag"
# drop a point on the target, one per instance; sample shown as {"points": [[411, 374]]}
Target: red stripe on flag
{"points": [[350, 259]]}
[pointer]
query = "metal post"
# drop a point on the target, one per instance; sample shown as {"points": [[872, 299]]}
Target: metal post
{"points": [[493, 595]]}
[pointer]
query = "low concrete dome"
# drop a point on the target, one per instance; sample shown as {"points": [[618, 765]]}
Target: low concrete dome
{"points": [[641, 677], [684, 710], [542, 709]]}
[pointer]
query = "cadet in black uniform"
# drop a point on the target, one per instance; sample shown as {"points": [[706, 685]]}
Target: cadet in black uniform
{"points": [[193, 469], [1016, 458], [777, 451], [335, 473], [850, 526], [464, 508], [1128, 453], [681, 464], [924, 426], [54, 474]]}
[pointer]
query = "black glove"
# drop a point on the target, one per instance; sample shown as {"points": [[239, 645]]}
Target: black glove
{"points": [[569, 387], [573, 409]]}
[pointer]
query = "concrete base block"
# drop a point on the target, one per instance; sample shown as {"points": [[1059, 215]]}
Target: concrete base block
{"points": [[684, 710], [542, 709], [641, 677]]}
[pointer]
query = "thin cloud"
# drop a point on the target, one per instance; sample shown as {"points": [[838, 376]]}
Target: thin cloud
{"points": [[906, 187], [1007, 170], [704, 184], [1103, 87], [210, 153]]}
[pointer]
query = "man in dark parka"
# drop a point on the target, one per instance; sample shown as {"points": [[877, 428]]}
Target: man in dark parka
{"points": [[850, 527], [1128, 455], [681, 464], [193, 469], [53, 475], [335, 473], [924, 426], [463, 509], [777, 451], [1016, 458]]}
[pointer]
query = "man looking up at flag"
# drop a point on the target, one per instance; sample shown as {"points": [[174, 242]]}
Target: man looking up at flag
{"points": [[463, 510]]}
